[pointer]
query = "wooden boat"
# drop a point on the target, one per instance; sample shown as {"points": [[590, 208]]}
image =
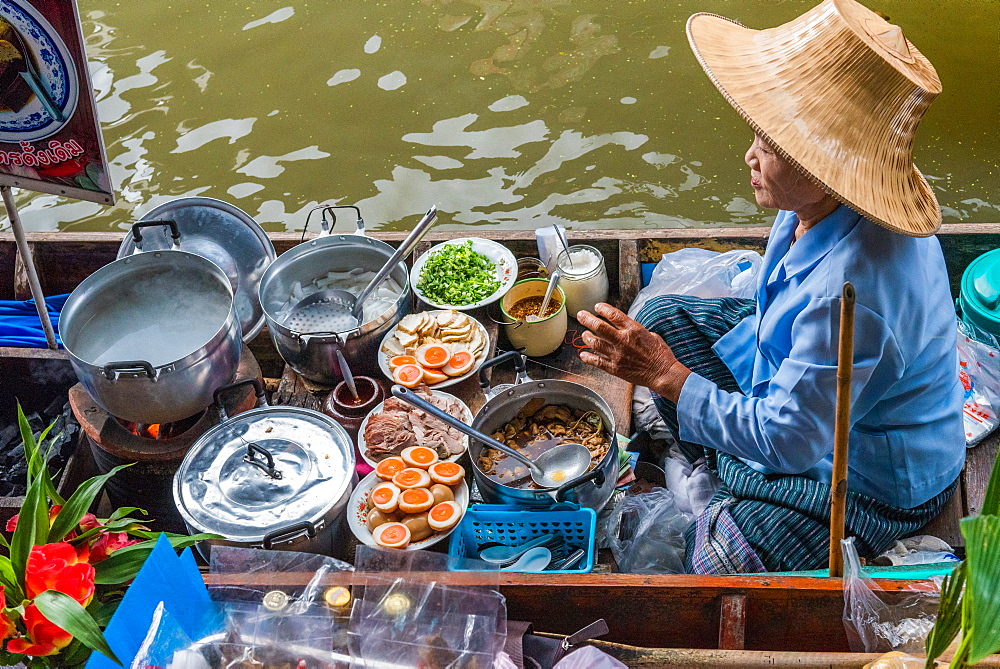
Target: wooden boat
{"points": [[787, 616]]}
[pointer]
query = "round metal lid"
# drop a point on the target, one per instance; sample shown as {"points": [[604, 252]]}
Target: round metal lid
{"points": [[224, 234], [225, 486]]}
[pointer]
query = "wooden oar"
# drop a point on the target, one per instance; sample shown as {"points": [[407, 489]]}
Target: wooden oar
{"points": [[841, 430]]}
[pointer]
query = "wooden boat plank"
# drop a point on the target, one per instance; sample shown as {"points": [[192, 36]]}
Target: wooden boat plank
{"points": [[976, 475], [732, 622]]}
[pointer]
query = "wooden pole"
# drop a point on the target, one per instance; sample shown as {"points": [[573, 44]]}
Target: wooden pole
{"points": [[841, 430]]}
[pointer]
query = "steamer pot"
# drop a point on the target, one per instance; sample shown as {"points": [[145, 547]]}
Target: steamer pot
{"points": [[277, 478], [592, 490], [314, 355], [150, 336]]}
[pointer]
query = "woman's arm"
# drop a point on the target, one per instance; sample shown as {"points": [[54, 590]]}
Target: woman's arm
{"points": [[789, 428]]}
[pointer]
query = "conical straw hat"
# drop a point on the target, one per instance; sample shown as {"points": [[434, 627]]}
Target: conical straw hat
{"points": [[839, 92]]}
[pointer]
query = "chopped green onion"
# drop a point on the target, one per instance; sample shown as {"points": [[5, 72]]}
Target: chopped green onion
{"points": [[457, 275]]}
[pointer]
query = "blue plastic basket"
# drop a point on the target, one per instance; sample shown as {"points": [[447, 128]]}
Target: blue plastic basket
{"points": [[512, 525]]}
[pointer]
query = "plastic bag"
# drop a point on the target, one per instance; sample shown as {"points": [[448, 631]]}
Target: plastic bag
{"points": [[589, 657], [646, 533], [921, 549], [876, 627], [979, 371], [274, 616], [404, 616], [702, 273]]}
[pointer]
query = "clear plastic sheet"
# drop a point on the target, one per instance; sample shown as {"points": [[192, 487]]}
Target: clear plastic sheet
{"points": [[702, 273], [646, 533], [876, 627], [280, 609], [403, 615], [979, 371]]}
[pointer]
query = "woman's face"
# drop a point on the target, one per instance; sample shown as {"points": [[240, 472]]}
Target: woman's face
{"points": [[776, 183]]}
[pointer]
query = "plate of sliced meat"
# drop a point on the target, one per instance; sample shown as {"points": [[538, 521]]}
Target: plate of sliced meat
{"points": [[395, 425]]}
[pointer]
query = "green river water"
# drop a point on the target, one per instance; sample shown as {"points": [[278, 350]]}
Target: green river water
{"points": [[505, 113]]}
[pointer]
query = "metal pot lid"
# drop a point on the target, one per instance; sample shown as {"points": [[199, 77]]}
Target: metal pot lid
{"points": [[262, 471], [224, 234]]}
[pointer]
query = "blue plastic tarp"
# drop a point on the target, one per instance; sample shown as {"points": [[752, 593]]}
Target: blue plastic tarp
{"points": [[20, 326]]}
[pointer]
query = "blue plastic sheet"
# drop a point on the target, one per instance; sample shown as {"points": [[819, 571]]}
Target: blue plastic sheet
{"points": [[164, 577], [19, 324]]}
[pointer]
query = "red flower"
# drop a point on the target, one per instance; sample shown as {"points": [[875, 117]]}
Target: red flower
{"points": [[43, 638], [108, 543], [7, 628], [58, 567], [53, 512]]}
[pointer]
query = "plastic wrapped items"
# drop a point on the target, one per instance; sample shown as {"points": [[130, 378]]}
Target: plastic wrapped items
{"points": [[646, 533], [876, 627], [403, 615], [979, 371], [702, 273]]}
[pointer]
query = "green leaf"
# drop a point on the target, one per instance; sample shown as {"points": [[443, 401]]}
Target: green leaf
{"points": [[124, 511], [982, 540], [103, 612], [78, 504], [949, 617], [125, 563], [8, 579], [991, 501], [33, 517], [65, 612]]}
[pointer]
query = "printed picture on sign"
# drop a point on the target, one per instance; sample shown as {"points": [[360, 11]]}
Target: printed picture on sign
{"points": [[38, 82]]}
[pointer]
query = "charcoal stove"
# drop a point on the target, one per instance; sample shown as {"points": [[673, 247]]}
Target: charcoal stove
{"points": [[154, 451]]}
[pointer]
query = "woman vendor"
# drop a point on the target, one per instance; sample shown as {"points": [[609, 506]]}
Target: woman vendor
{"points": [[834, 98]]}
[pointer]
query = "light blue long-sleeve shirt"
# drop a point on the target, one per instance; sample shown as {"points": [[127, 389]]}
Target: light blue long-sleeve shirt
{"points": [[906, 442]]}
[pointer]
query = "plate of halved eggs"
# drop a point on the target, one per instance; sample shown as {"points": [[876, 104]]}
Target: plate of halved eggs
{"points": [[409, 504], [439, 348]]}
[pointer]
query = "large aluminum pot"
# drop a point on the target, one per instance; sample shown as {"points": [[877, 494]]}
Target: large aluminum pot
{"points": [[593, 489], [152, 335], [273, 477], [314, 355]]}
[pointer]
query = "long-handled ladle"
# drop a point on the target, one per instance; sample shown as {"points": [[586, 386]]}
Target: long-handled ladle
{"points": [[556, 466]]}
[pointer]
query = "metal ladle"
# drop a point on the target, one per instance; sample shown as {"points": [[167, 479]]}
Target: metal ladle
{"points": [[556, 466], [540, 316], [335, 310]]}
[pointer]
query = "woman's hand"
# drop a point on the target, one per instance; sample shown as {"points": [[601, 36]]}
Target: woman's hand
{"points": [[623, 348]]}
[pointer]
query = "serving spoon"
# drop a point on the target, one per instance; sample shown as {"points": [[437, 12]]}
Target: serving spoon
{"points": [[540, 316], [336, 310], [556, 466]]}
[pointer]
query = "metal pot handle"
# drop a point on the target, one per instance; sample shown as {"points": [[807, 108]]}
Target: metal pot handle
{"points": [[520, 364], [287, 532], [175, 233], [253, 450], [258, 389], [112, 368], [303, 337], [597, 475], [327, 226]]}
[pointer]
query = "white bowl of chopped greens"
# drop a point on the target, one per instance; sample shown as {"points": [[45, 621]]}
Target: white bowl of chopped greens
{"points": [[464, 273]]}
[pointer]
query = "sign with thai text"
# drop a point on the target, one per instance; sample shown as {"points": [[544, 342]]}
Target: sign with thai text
{"points": [[50, 139]]}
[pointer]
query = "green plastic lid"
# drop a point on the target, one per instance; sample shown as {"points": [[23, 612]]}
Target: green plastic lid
{"points": [[980, 292]]}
